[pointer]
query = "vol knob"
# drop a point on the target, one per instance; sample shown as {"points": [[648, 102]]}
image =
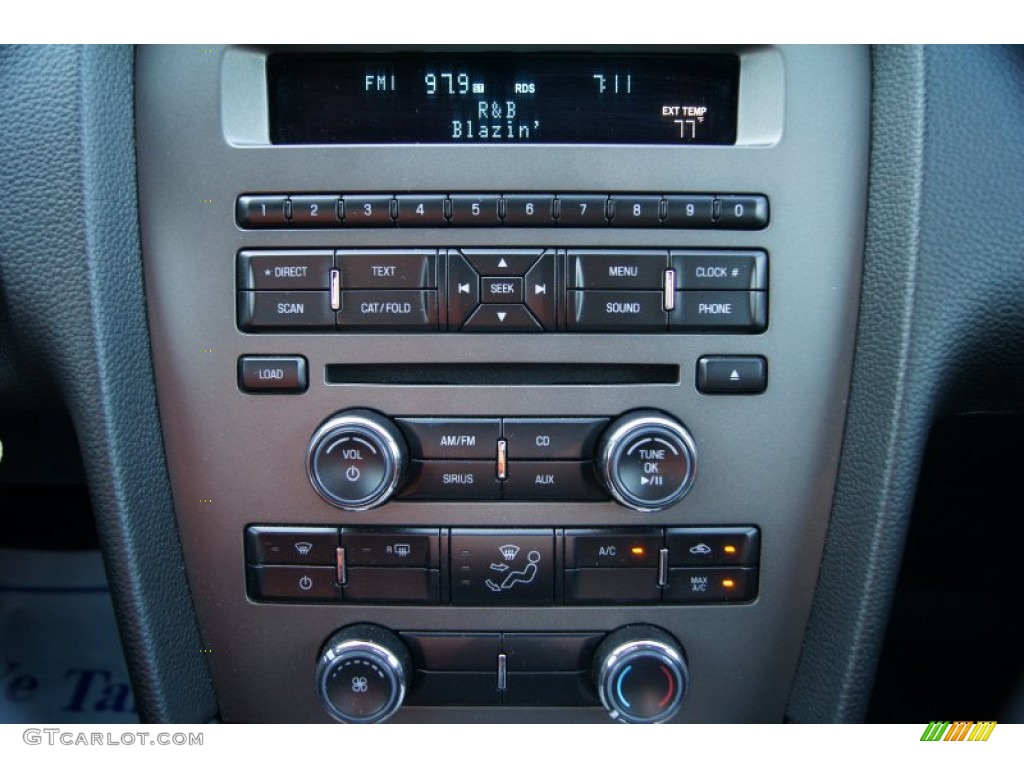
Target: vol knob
{"points": [[363, 674], [641, 674], [356, 460], [648, 460]]}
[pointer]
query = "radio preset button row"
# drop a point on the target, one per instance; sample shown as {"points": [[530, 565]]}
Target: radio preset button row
{"points": [[490, 209]]}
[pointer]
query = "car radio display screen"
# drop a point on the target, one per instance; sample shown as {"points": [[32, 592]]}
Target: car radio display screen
{"points": [[502, 99]]}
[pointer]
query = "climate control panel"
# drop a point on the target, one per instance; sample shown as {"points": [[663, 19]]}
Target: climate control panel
{"points": [[503, 566]]}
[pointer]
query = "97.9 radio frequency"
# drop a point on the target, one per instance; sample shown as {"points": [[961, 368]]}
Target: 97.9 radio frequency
{"points": [[502, 99]]}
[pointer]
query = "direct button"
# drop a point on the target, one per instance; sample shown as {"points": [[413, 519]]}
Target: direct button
{"points": [[274, 375], [284, 270], [451, 438]]}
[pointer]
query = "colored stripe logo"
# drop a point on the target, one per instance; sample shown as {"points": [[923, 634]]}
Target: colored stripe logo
{"points": [[961, 730]]}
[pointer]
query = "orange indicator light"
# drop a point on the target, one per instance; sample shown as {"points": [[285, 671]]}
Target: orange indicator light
{"points": [[728, 583], [637, 550], [729, 549]]}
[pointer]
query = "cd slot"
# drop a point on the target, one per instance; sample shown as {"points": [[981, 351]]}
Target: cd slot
{"points": [[502, 375]]}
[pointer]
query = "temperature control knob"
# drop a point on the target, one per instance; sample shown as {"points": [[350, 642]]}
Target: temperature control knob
{"points": [[356, 460], [363, 674], [641, 674], [648, 460]]}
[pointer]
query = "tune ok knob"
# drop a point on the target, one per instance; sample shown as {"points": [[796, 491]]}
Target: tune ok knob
{"points": [[356, 460], [647, 459], [362, 674], [641, 674]]}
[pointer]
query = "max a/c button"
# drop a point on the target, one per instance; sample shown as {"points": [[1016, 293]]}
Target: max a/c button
{"points": [[272, 375]]}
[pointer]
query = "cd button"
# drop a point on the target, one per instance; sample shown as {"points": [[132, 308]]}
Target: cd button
{"points": [[545, 439]]}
